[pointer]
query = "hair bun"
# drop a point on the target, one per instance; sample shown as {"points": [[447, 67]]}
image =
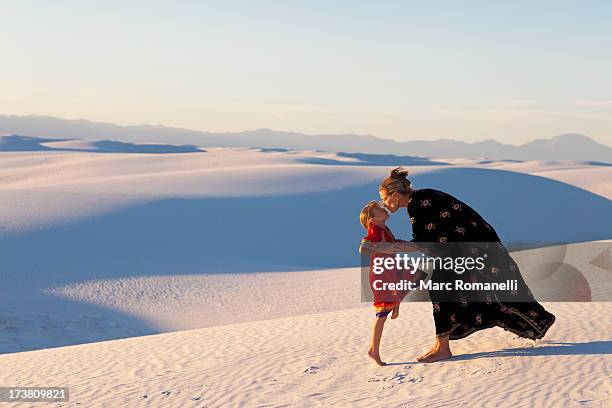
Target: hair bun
{"points": [[396, 182], [399, 173]]}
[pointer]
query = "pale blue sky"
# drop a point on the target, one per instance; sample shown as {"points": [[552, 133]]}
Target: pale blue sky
{"points": [[468, 70]]}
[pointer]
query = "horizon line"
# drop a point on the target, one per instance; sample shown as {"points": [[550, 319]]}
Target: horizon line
{"points": [[297, 132]]}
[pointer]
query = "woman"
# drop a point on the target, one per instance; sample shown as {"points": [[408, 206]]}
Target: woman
{"points": [[455, 228]]}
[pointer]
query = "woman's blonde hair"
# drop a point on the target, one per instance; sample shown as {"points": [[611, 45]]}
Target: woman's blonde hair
{"points": [[396, 182], [366, 214]]}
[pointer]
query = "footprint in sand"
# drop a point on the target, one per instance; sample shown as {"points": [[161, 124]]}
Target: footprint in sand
{"points": [[485, 369], [402, 377], [311, 370]]}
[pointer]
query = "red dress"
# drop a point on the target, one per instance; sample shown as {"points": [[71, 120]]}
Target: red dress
{"points": [[384, 300]]}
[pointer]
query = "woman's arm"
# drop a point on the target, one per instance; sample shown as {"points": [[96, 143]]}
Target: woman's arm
{"points": [[397, 247], [387, 247]]}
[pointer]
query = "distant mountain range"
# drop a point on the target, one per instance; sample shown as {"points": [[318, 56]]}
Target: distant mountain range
{"points": [[562, 147]]}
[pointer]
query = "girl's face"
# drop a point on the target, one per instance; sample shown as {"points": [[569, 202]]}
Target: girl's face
{"points": [[379, 215]]}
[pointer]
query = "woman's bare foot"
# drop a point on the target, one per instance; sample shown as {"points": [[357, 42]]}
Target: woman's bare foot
{"points": [[440, 351], [376, 357], [434, 355], [395, 313]]}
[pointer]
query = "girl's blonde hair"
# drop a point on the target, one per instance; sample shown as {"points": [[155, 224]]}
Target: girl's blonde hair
{"points": [[366, 214], [396, 182]]}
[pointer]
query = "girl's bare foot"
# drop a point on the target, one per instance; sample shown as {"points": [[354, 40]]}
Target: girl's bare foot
{"points": [[395, 313], [376, 357]]}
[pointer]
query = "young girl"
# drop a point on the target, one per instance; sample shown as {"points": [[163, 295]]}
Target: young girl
{"points": [[373, 218]]}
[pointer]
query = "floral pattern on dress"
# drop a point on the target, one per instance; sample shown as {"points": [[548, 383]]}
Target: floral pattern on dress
{"points": [[439, 217]]}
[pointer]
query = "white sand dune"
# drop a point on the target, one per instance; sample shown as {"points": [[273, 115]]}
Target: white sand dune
{"points": [[319, 360], [103, 246]]}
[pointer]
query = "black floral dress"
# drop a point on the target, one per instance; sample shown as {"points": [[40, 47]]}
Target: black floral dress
{"points": [[438, 217]]}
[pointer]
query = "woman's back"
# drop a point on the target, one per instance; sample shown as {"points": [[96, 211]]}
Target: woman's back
{"points": [[437, 216]]}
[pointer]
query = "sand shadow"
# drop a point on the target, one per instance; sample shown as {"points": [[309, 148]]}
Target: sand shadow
{"points": [[17, 143], [319, 230], [603, 347], [373, 160]]}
